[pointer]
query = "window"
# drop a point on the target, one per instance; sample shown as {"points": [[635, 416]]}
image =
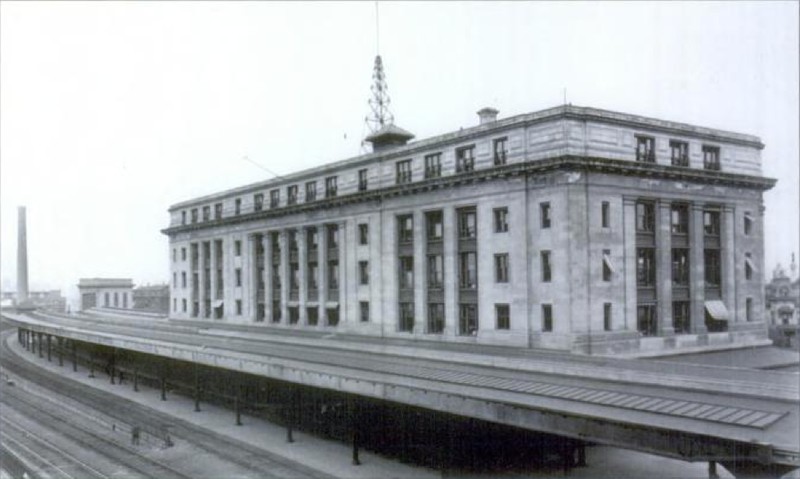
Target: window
{"points": [[748, 309], [312, 315], [645, 149], [544, 213], [406, 317], [183, 217], [712, 267], [605, 219], [258, 202], [238, 277], [711, 158], [645, 216], [183, 305], [218, 211], [607, 267], [237, 248], [433, 220], [174, 305], [405, 229], [291, 195], [333, 236], [311, 239], [174, 254], [294, 315], [435, 318], [274, 198], [206, 213], [680, 267], [607, 316], [238, 307], [680, 317], [333, 274], [403, 172], [465, 159], [364, 310], [362, 180], [679, 153], [433, 165], [468, 319], [500, 220], [183, 279], [748, 224], [435, 271], [502, 316], [332, 316], [748, 266], [645, 267], [194, 215], [183, 254], [679, 217], [294, 277], [174, 280], [711, 222], [311, 191], [330, 187], [363, 233], [406, 272], [501, 268], [276, 277], [363, 272], [313, 271], [468, 270], [546, 267], [547, 318], [237, 206], [500, 152], [467, 223], [646, 320]]}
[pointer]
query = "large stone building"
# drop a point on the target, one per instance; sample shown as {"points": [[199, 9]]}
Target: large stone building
{"points": [[571, 228]]}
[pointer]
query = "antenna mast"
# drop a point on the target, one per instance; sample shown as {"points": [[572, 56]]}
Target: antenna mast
{"points": [[379, 115]]}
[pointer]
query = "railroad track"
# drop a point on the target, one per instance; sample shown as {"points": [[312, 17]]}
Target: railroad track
{"points": [[242, 454], [42, 412]]}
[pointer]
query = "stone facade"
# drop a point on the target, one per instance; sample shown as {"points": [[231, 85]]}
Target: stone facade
{"points": [[525, 232], [105, 293]]}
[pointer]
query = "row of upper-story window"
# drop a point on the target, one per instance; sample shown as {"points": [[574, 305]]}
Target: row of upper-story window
{"points": [[679, 218], [679, 152], [465, 162]]}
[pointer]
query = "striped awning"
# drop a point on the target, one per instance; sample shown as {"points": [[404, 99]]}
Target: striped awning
{"points": [[750, 264], [217, 304], [332, 304], [717, 310], [607, 261]]}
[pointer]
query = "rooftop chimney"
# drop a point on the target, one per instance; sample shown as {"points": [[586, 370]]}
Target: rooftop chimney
{"points": [[487, 115]]}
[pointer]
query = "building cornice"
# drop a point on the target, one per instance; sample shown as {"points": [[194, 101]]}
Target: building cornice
{"points": [[534, 167], [488, 129]]}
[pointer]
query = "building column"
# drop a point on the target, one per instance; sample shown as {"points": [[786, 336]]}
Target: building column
{"points": [[322, 269], [664, 269], [728, 262], [249, 279], [212, 291], [201, 279], [285, 280], [420, 266], [343, 265], [450, 266], [302, 273], [629, 262], [266, 265], [697, 280]]}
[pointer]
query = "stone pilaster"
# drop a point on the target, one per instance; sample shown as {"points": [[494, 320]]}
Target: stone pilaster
{"points": [[728, 262], [266, 265], [302, 266], [450, 265], [629, 263], [285, 280], [697, 280], [664, 269], [420, 280]]}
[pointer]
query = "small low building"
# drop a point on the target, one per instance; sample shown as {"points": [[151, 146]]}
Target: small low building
{"points": [[51, 300], [782, 300], [152, 298], [106, 293]]}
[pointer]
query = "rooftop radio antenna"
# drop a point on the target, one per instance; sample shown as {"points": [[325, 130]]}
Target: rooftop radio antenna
{"points": [[380, 115]]}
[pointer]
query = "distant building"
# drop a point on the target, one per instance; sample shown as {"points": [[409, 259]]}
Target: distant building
{"points": [[49, 300], [782, 301], [153, 298], [106, 293]]}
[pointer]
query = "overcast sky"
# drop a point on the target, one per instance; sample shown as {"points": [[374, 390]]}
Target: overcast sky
{"points": [[111, 112]]}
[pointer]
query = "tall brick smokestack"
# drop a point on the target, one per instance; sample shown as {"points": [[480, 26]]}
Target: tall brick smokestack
{"points": [[22, 258]]}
